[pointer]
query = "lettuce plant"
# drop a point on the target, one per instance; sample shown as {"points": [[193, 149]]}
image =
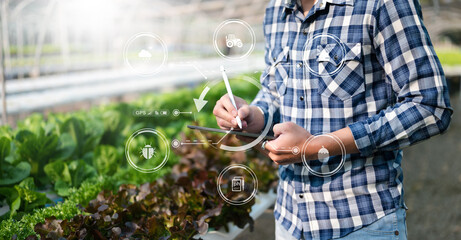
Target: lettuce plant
{"points": [[11, 172], [176, 206]]}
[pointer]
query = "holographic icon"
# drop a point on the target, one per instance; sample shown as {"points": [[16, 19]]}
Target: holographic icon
{"points": [[148, 151], [175, 143], [325, 165], [164, 112], [176, 112], [232, 41], [295, 150], [238, 184], [324, 56], [323, 154], [144, 55], [232, 187]]}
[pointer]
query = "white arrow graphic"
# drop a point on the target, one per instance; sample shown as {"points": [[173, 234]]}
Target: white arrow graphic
{"points": [[200, 103]]}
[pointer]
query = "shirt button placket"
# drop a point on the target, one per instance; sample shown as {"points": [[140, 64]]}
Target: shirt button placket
{"points": [[298, 76], [305, 30]]}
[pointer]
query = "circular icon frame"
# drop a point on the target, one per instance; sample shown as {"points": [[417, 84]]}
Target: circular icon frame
{"points": [[175, 143], [234, 21], [164, 141], [323, 174], [306, 50], [255, 186], [151, 35], [176, 112]]}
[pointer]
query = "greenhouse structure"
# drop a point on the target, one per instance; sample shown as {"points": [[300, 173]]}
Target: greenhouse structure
{"points": [[111, 122]]}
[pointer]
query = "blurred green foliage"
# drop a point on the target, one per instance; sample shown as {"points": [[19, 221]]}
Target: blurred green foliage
{"points": [[449, 58], [62, 152]]}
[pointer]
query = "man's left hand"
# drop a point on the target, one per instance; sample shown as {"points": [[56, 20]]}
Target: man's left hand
{"points": [[288, 136]]}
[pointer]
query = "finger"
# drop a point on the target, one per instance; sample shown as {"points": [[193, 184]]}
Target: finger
{"points": [[223, 123], [227, 104], [257, 147], [262, 151], [244, 111], [237, 128], [222, 113], [283, 159], [240, 102], [274, 158], [278, 129], [272, 147]]}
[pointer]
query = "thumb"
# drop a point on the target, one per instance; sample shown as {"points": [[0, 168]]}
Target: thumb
{"points": [[279, 129]]}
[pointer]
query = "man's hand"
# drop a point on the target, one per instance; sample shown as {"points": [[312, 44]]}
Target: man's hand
{"points": [[252, 118], [288, 136]]}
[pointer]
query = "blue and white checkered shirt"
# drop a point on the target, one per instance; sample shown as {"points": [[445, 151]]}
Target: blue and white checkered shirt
{"points": [[366, 65]]}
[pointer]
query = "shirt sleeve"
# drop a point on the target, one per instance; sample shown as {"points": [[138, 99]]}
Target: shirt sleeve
{"points": [[404, 50], [267, 97]]}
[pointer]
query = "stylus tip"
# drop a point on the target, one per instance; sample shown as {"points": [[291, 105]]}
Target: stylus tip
{"points": [[239, 122]]}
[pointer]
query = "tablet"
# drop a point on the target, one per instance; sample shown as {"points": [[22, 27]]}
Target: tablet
{"points": [[245, 134]]}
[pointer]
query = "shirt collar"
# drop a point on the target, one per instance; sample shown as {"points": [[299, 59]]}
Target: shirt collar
{"points": [[289, 7], [291, 4]]}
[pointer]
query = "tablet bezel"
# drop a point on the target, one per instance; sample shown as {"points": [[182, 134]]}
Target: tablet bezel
{"points": [[244, 134]]}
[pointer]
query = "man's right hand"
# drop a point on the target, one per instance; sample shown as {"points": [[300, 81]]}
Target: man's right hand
{"points": [[252, 118]]}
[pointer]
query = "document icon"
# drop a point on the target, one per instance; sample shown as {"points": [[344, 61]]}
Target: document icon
{"points": [[238, 184]]}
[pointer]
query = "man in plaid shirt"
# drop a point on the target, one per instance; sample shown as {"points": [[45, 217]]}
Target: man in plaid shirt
{"points": [[364, 72]]}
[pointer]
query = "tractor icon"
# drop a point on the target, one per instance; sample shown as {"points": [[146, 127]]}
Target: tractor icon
{"points": [[232, 41]]}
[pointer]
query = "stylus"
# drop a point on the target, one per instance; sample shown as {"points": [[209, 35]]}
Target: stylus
{"points": [[231, 96]]}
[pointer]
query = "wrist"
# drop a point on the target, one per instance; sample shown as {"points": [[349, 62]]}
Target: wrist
{"points": [[337, 143], [316, 144]]}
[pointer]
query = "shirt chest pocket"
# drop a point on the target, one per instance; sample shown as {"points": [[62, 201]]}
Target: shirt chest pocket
{"points": [[339, 70], [279, 72]]}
